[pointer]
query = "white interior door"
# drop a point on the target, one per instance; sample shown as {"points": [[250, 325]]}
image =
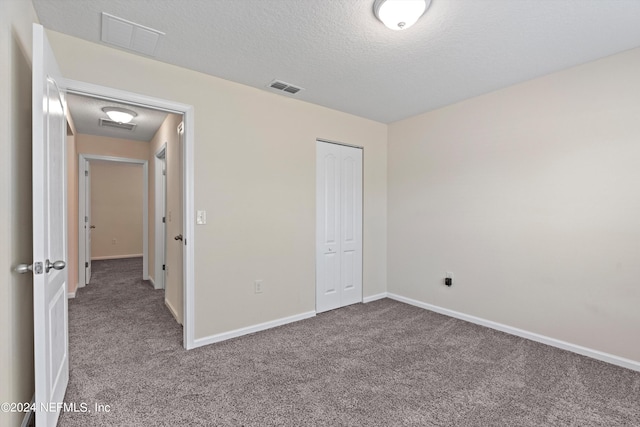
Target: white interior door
{"points": [[338, 226], [49, 234], [88, 226], [160, 193], [163, 228]]}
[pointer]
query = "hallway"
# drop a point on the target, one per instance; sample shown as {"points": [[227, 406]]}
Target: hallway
{"points": [[119, 330]]}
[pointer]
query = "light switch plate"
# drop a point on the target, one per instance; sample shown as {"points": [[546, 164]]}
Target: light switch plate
{"points": [[201, 217]]}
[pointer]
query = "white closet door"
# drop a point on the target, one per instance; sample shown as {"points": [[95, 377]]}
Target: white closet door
{"points": [[338, 226]]}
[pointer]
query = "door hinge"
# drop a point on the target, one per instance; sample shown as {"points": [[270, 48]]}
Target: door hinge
{"points": [[86, 219], [163, 267], [86, 265], [86, 173], [164, 219]]}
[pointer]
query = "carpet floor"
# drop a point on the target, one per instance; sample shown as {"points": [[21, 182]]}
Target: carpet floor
{"points": [[379, 364]]}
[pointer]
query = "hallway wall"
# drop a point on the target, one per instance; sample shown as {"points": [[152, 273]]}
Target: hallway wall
{"points": [[16, 292], [116, 209]]}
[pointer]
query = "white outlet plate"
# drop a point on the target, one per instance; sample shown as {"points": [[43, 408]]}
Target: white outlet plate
{"points": [[257, 286]]}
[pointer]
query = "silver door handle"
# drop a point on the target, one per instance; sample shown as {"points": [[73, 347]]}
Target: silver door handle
{"points": [[178, 237], [24, 268], [57, 265]]}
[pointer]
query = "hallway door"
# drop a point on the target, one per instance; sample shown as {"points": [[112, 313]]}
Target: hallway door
{"points": [[174, 275], [88, 227], [50, 322]]}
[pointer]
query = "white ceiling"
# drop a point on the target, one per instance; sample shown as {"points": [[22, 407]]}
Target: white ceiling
{"points": [[86, 113], [347, 60]]}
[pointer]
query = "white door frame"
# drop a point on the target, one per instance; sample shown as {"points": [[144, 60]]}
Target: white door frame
{"points": [[187, 111], [83, 158], [160, 193]]}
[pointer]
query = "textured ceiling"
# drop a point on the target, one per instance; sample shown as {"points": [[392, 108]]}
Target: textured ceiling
{"points": [[86, 113], [347, 60]]}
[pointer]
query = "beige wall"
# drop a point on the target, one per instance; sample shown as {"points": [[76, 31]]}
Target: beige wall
{"points": [[116, 209], [114, 147], [167, 134], [529, 195], [255, 179], [16, 296]]}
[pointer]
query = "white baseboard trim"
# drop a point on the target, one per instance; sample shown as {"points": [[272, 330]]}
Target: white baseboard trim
{"points": [[99, 258], [211, 339], [594, 354], [71, 295], [173, 311], [26, 420], [375, 297], [153, 283]]}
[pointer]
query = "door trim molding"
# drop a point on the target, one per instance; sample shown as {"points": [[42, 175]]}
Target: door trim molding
{"points": [[188, 113], [328, 141]]}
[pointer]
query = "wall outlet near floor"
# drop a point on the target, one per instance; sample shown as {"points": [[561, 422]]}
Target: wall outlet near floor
{"points": [[257, 286], [448, 278]]}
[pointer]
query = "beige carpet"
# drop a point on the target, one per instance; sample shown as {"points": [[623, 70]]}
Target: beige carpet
{"points": [[378, 364]]}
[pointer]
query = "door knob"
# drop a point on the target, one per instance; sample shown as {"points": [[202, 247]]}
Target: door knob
{"points": [[24, 268], [37, 267], [57, 265], [178, 237]]}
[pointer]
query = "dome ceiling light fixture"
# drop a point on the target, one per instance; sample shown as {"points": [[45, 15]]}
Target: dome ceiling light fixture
{"points": [[400, 14], [120, 115]]}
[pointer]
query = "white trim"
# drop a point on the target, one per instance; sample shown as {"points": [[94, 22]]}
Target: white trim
{"points": [[188, 185], [374, 297], [211, 339], [152, 282], [83, 158], [28, 415], [594, 354], [172, 310], [188, 114], [71, 295], [99, 258], [328, 141]]}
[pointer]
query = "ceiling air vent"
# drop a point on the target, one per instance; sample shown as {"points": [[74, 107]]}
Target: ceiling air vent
{"points": [[112, 124], [129, 35], [285, 87]]}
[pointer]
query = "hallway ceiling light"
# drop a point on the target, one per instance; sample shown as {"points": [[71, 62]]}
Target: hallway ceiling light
{"points": [[120, 115], [399, 14]]}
